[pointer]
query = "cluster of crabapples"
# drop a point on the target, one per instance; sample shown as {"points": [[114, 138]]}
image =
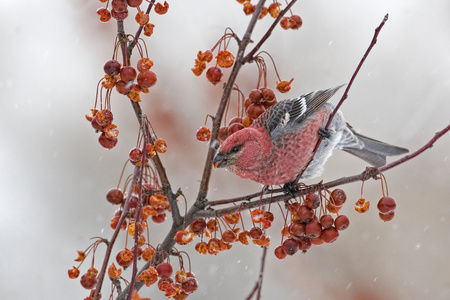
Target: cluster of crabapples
{"points": [[312, 223], [292, 22], [119, 11], [223, 232], [122, 78]]}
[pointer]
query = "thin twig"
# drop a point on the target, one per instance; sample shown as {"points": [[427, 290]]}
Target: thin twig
{"points": [[101, 274], [345, 95], [204, 184], [258, 285]]}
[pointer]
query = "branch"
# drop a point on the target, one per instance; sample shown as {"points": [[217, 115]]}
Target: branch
{"points": [[101, 274], [258, 284], [217, 119]]}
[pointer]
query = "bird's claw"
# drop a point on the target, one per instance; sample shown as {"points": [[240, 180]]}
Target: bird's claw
{"points": [[290, 188], [324, 133]]}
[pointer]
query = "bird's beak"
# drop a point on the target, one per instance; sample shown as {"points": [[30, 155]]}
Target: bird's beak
{"points": [[220, 160]]}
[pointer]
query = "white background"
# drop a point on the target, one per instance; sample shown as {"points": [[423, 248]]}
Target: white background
{"points": [[54, 175]]}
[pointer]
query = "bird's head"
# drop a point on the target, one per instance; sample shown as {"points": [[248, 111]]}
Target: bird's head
{"points": [[244, 150]]}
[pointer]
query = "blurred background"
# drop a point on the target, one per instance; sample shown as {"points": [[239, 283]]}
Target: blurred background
{"points": [[54, 175]]}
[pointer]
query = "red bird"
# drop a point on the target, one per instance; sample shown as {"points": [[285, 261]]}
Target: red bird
{"points": [[280, 143]]}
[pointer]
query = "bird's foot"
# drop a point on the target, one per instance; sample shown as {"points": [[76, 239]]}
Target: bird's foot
{"points": [[290, 188], [324, 133]]}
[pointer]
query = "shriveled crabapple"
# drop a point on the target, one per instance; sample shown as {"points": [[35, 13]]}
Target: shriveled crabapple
{"points": [[104, 14], [164, 269], [128, 73], [214, 75], [112, 67], [142, 18], [290, 246], [160, 146], [161, 9], [147, 79], [104, 117], [249, 8], [148, 29], [114, 196], [342, 222], [144, 64], [135, 155], [386, 205], [286, 23], [284, 86], [73, 273], [225, 59], [124, 258], [273, 9], [203, 134], [362, 205]]}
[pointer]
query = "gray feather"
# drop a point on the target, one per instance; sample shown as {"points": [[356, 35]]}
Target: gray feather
{"points": [[370, 150]]}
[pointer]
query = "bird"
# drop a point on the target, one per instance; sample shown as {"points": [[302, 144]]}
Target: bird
{"points": [[280, 143]]}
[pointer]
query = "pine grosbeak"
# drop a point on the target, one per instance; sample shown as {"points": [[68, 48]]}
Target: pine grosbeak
{"points": [[280, 143]]}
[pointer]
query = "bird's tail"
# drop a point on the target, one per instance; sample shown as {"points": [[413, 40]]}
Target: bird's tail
{"points": [[372, 151]]}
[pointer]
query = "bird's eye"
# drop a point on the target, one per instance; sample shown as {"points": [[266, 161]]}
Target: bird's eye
{"points": [[235, 149]]}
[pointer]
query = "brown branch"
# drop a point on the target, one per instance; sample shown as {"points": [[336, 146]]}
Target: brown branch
{"points": [[217, 119], [345, 95], [101, 274], [139, 31], [258, 284]]}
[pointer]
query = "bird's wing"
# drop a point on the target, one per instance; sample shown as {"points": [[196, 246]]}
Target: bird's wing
{"points": [[289, 113]]}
